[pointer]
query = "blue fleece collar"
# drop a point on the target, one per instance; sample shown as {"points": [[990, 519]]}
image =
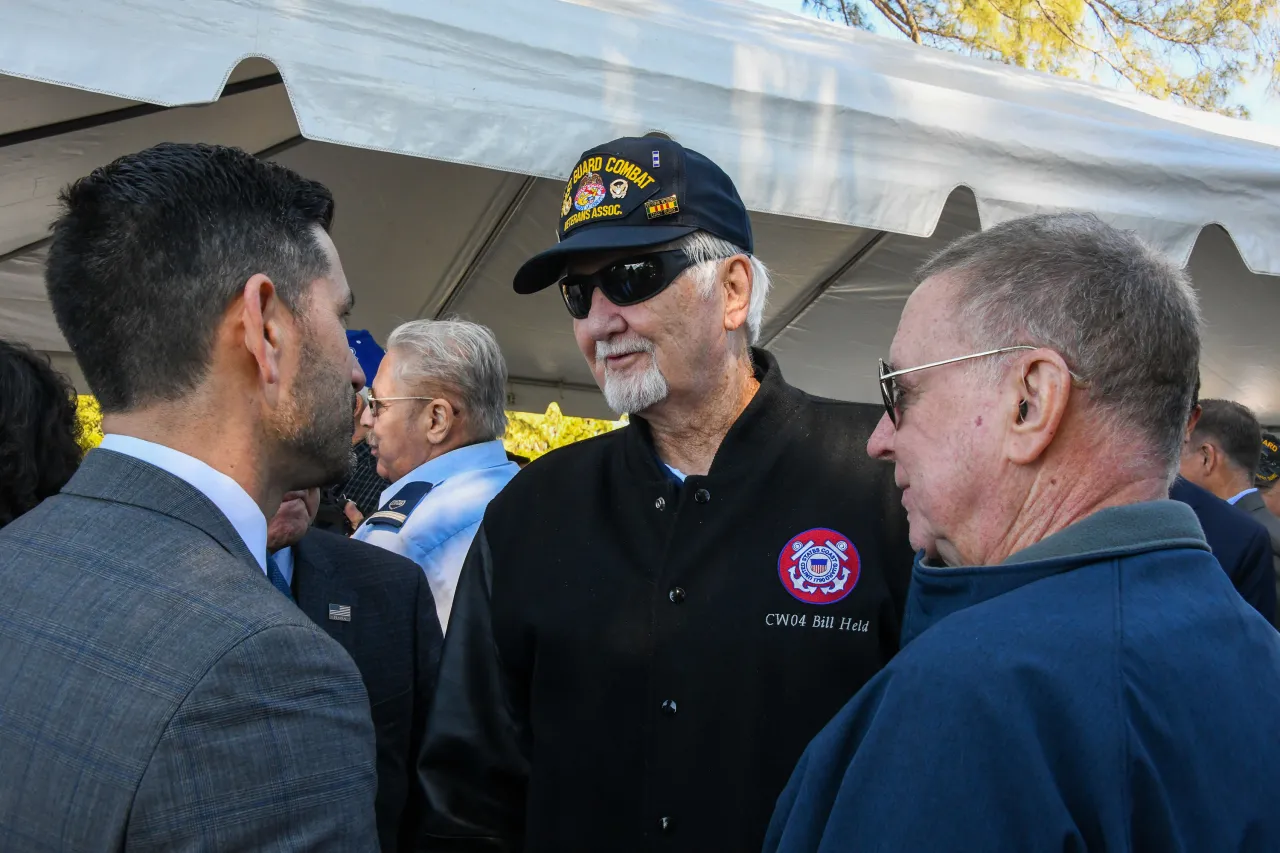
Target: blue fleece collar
{"points": [[1124, 531]]}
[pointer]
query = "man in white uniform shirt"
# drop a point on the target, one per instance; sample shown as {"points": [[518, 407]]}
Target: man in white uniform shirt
{"points": [[156, 691], [435, 421]]}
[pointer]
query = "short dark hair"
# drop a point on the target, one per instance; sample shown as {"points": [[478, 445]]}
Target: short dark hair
{"points": [[149, 251], [1235, 429], [39, 431]]}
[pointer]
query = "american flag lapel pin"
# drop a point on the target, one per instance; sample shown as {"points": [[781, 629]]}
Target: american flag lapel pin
{"points": [[340, 612]]}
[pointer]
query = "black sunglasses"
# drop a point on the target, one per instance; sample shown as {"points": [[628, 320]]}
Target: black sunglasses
{"points": [[626, 282]]}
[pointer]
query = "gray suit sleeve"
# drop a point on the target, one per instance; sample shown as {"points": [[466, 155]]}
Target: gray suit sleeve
{"points": [[273, 750]]}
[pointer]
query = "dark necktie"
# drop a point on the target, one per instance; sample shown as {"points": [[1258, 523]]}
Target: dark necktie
{"points": [[277, 577]]}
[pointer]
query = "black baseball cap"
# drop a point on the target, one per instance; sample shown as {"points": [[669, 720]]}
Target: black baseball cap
{"points": [[635, 193], [1269, 464]]}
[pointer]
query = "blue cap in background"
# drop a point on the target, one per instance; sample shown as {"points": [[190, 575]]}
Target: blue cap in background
{"points": [[367, 351]]}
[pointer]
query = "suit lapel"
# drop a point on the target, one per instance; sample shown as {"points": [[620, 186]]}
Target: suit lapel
{"points": [[317, 584], [109, 476], [1251, 503]]}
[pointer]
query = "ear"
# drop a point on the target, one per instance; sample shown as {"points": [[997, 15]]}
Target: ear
{"points": [[439, 419], [736, 281], [1193, 420], [1210, 457], [1038, 388], [261, 316]]}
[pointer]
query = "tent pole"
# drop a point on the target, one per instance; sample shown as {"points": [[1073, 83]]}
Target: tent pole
{"points": [[801, 303], [22, 250], [455, 291], [58, 128]]}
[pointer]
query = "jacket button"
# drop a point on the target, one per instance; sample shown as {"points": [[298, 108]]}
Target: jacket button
{"points": [[702, 496], [665, 823], [669, 706], [676, 595], [659, 503]]}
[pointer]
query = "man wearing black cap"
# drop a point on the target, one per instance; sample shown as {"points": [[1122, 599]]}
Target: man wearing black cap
{"points": [[652, 624], [1267, 502]]}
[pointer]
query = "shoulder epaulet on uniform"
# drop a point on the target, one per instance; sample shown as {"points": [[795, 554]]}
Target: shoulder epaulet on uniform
{"points": [[397, 510]]}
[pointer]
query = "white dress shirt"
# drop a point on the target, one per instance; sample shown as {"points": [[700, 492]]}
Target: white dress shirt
{"points": [[227, 495]]}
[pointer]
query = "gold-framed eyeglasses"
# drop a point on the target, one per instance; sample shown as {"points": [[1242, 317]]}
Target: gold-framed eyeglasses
{"points": [[890, 393], [377, 404]]}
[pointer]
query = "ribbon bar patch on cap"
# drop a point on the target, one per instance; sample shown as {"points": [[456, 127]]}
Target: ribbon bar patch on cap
{"points": [[661, 207]]}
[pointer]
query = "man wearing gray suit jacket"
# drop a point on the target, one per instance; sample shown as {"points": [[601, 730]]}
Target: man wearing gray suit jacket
{"points": [[157, 689]]}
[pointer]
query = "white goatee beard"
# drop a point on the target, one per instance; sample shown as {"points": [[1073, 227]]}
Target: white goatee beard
{"points": [[628, 394]]}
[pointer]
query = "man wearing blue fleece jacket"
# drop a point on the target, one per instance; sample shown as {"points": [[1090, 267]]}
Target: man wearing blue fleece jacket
{"points": [[1077, 672]]}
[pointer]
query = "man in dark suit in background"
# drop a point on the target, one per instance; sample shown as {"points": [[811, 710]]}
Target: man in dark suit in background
{"points": [[1240, 544], [156, 691], [379, 607], [1219, 459]]}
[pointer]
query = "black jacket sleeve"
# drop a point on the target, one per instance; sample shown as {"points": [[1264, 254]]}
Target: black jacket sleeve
{"points": [[474, 763], [428, 640], [1256, 582]]}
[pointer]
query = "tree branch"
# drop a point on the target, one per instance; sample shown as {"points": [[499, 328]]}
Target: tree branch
{"points": [[885, 9], [1053, 21], [1144, 26], [911, 19]]}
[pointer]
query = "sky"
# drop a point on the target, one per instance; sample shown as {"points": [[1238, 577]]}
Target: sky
{"points": [[1263, 109]]}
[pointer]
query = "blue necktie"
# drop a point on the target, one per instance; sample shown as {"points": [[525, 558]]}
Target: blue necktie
{"points": [[277, 577]]}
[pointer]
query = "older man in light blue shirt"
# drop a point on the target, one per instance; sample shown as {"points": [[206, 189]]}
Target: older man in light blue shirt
{"points": [[435, 421]]}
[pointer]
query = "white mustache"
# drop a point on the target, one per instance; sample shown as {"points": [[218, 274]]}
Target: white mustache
{"points": [[622, 346]]}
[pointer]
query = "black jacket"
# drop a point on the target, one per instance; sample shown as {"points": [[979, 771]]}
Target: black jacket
{"points": [[1240, 543], [393, 635], [629, 665], [1255, 507]]}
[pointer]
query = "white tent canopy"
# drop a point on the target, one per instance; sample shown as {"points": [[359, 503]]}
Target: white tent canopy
{"points": [[848, 148]]}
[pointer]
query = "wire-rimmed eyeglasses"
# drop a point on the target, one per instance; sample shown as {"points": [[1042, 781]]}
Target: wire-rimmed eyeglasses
{"points": [[377, 404], [889, 392]]}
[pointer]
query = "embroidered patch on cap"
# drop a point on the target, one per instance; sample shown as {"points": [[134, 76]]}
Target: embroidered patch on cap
{"points": [[661, 207], [602, 188], [590, 192], [819, 566]]}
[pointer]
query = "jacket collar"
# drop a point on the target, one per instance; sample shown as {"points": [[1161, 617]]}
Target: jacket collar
{"points": [[110, 476], [472, 457], [1251, 501], [770, 413], [1117, 532]]}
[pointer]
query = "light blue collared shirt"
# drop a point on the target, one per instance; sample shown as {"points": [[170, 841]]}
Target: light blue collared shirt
{"points": [[284, 559], [225, 493], [438, 533], [1233, 500]]}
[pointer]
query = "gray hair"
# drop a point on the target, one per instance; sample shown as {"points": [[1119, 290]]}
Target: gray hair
{"points": [[462, 356], [1121, 315], [706, 251]]}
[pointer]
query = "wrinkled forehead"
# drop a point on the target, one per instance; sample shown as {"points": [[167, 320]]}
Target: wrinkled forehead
{"points": [[929, 329]]}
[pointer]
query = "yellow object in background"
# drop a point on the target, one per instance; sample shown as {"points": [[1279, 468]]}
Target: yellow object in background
{"points": [[532, 435], [528, 434], [90, 417]]}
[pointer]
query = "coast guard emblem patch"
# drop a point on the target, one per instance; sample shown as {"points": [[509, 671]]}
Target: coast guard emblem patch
{"points": [[819, 566], [590, 192]]}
